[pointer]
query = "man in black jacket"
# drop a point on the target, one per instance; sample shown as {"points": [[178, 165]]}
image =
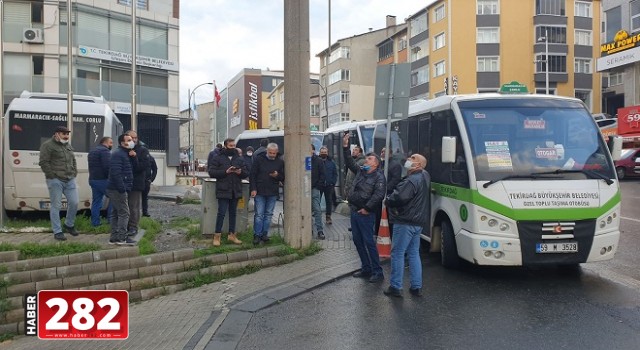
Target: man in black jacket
{"points": [[120, 184], [409, 210], [394, 175], [98, 161], [152, 172], [317, 187], [228, 168], [267, 172], [139, 157], [369, 187]]}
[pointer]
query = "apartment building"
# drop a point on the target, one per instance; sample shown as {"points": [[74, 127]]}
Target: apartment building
{"points": [[459, 47], [620, 54], [35, 59], [348, 75], [276, 105]]}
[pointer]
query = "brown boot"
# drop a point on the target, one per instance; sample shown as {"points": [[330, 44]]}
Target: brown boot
{"points": [[216, 239], [328, 219], [232, 238]]}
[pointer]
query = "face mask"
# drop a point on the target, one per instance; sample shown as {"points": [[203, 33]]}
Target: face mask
{"points": [[365, 167], [230, 151], [408, 165], [63, 141], [131, 144], [249, 154], [109, 147]]}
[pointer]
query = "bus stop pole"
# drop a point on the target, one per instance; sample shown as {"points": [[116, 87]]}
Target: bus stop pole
{"points": [[389, 114], [3, 214]]}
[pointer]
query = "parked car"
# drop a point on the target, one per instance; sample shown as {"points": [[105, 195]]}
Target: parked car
{"points": [[601, 116], [629, 163], [202, 165]]}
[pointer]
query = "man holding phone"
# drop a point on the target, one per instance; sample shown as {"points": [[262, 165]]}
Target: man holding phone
{"points": [[267, 172], [228, 168]]}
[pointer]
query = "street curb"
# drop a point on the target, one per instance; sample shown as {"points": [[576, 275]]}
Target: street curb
{"points": [[230, 327]]}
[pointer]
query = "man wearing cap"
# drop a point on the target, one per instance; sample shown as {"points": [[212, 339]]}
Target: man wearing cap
{"points": [[60, 170]]}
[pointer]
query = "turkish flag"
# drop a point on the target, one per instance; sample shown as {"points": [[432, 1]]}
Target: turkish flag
{"points": [[216, 95], [629, 120]]}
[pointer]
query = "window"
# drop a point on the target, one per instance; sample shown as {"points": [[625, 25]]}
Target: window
{"points": [[439, 69], [543, 91], [438, 13], [613, 18], [582, 65], [342, 74], [273, 117], [418, 24], [281, 95], [585, 96], [273, 99], [557, 35], [583, 9], [488, 90], [488, 64], [385, 50], [141, 4], [36, 12], [487, 7], [635, 15], [337, 118], [314, 109], [438, 41], [583, 37], [402, 43], [616, 79], [557, 64], [550, 7], [487, 36], [338, 97], [420, 50], [420, 76], [38, 64], [341, 52]]}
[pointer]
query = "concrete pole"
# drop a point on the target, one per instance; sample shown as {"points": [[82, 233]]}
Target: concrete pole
{"points": [[325, 122], [546, 59], [69, 68], [3, 214], [134, 54], [297, 189]]}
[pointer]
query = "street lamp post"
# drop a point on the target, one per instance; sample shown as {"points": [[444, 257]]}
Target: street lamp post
{"points": [[191, 161], [545, 38]]}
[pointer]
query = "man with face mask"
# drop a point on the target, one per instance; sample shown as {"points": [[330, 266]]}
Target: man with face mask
{"points": [[318, 182], [98, 160], [140, 164], [120, 185], [368, 190], [248, 157], [409, 209], [228, 169], [331, 177], [267, 172], [58, 163]]}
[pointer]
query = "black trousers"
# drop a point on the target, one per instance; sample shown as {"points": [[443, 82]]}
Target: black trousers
{"points": [[327, 192], [145, 198]]}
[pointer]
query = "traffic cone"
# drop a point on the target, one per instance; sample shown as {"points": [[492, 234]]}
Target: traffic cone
{"points": [[383, 242]]}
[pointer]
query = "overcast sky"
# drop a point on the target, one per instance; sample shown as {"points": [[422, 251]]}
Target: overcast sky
{"points": [[218, 38]]}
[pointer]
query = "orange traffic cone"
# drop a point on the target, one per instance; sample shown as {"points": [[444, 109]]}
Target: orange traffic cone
{"points": [[384, 240]]}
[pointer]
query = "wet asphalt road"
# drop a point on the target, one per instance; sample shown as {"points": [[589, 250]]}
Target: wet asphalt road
{"points": [[595, 307]]}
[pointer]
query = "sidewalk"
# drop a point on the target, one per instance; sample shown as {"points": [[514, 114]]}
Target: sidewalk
{"points": [[215, 316]]}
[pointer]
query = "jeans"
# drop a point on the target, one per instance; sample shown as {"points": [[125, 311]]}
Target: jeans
{"points": [[223, 205], [406, 239], [98, 191], [119, 215], [362, 231], [263, 212], [57, 188], [316, 212], [135, 202], [328, 199]]}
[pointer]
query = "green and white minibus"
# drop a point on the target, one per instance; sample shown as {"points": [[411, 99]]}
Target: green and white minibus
{"points": [[516, 179]]}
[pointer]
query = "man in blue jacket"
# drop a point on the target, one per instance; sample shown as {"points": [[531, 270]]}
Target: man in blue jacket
{"points": [[368, 191], [330, 179], [120, 184], [409, 209], [98, 160]]}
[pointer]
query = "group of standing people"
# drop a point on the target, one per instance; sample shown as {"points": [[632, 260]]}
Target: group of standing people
{"points": [[124, 175]]}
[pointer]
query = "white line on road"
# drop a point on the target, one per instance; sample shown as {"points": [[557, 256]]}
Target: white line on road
{"points": [[630, 219]]}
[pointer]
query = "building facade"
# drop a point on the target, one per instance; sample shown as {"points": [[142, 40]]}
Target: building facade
{"points": [[620, 54], [35, 59], [348, 76], [276, 106], [458, 47], [248, 99]]}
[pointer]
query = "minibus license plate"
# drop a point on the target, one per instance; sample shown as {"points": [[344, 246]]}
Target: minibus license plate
{"points": [[567, 247], [46, 205]]}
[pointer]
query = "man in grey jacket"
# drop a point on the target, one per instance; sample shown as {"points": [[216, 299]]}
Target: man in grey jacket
{"points": [[409, 208], [58, 163]]}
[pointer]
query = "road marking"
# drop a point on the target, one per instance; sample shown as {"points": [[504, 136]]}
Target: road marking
{"points": [[630, 219]]}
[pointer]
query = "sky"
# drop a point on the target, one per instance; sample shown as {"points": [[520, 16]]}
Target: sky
{"points": [[218, 38]]}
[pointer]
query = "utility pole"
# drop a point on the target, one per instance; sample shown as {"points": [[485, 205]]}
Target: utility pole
{"points": [[69, 68], [134, 54], [297, 137], [3, 214]]}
